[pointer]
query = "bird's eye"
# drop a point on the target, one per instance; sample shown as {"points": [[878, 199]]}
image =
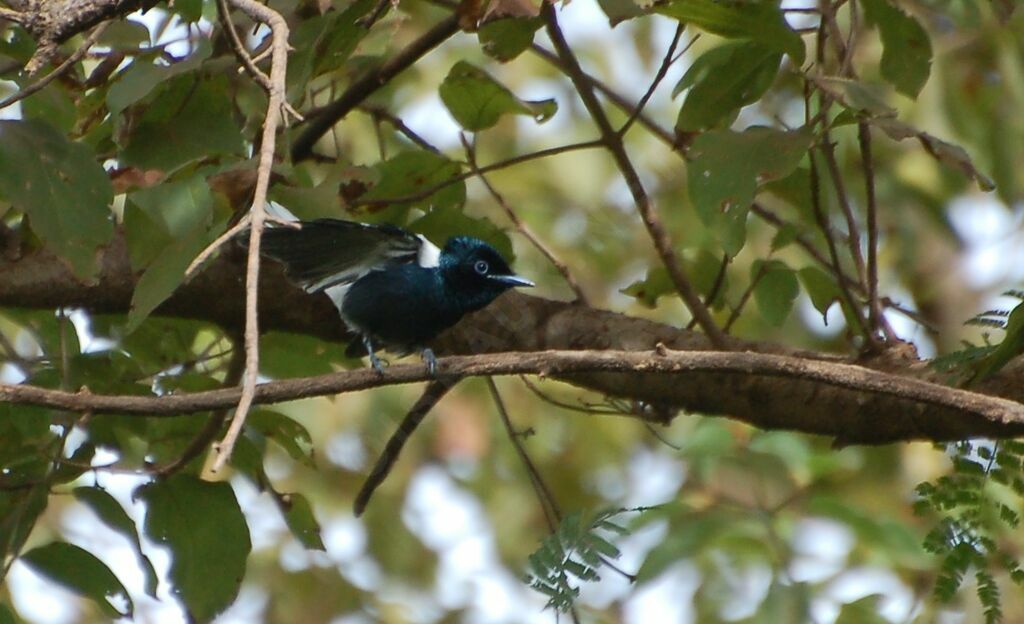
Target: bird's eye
{"points": [[481, 267]]}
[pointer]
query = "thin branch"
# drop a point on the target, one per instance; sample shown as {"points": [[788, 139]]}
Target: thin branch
{"points": [[583, 408], [12, 16], [875, 318], [613, 142], [614, 97], [746, 297], [662, 70], [716, 287], [202, 441], [853, 236], [320, 122], [219, 242], [434, 392], [969, 413], [548, 504], [257, 215], [504, 164], [520, 226], [382, 114], [76, 56]]}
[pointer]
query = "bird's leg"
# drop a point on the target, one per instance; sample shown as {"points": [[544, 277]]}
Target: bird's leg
{"points": [[430, 360], [375, 361]]}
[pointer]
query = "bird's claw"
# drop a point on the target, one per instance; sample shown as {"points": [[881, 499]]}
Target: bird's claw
{"points": [[431, 361], [378, 364]]}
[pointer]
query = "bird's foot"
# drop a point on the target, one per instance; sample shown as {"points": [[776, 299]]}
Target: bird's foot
{"points": [[378, 364], [430, 360]]}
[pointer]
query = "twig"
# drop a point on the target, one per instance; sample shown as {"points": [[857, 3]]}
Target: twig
{"points": [[378, 11], [518, 223], [275, 107], [219, 242], [614, 97], [735, 315], [548, 504], [232, 377], [427, 192], [716, 287], [875, 317], [853, 236], [822, 220], [246, 59], [584, 408], [76, 56], [324, 119], [433, 393], [665, 64], [977, 415], [12, 16], [378, 112], [613, 142]]}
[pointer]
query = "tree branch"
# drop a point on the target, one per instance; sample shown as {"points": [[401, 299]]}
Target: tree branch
{"points": [[926, 410], [324, 119], [613, 142]]}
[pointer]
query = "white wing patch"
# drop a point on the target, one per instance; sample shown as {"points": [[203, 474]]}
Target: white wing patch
{"points": [[429, 255]]}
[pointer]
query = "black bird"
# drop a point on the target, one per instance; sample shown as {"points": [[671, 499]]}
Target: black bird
{"points": [[395, 289]]}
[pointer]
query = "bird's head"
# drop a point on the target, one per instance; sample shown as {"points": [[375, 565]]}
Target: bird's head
{"points": [[476, 271]]}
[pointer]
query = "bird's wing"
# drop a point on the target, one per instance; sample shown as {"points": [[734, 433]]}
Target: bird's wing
{"points": [[330, 252]]}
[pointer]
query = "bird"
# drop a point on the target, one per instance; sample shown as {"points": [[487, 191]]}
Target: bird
{"points": [[394, 289]]}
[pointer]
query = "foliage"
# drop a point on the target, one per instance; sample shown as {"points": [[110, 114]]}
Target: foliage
{"points": [[766, 149], [574, 553]]}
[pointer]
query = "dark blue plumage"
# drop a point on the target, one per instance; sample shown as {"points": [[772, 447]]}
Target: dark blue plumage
{"points": [[395, 289]]}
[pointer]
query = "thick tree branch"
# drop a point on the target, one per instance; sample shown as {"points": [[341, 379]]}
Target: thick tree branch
{"points": [[515, 322], [52, 22]]}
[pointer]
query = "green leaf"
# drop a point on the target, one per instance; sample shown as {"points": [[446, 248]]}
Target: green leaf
{"points": [[157, 216], [191, 11], [723, 80], [862, 611], [195, 122], [506, 38], [205, 530], [648, 290], [141, 77], [51, 105], [167, 271], [295, 355], [287, 433], [776, 289], [1011, 346], [907, 50], [477, 101], [81, 572], [298, 515], [863, 98], [440, 224], [821, 288], [621, 10], [62, 189], [726, 169], [114, 516], [946, 153], [414, 172], [759, 21]]}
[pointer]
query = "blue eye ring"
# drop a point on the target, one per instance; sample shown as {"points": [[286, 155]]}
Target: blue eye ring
{"points": [[481, 267]]}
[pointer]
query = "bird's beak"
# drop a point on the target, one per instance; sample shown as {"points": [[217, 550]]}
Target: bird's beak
{"points": [[511, 280]]}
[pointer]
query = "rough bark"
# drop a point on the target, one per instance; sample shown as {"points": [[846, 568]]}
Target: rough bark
{"points": [[776, 396]]}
